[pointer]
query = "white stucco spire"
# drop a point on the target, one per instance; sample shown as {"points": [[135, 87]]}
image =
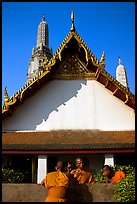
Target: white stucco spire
{"points": [[41, 54], [121, 75], [42, 36]]}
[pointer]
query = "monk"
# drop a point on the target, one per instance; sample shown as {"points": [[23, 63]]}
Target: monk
{"points": [[83, 176], [57, 183], [111, 176], [71, 177]]}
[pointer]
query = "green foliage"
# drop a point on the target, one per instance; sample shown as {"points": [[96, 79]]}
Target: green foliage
{"points": [[12, 176], [99, 178], [125, 189], [127, 169]]}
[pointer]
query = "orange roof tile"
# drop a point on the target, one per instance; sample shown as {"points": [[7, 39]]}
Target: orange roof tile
{"points": [[69, 137]]}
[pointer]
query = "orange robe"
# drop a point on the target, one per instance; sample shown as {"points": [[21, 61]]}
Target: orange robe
{"points": [[118, 175], [84, 177], [56, 183]]}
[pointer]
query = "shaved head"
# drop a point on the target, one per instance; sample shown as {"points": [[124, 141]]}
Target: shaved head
{"points": [[59, 165]]}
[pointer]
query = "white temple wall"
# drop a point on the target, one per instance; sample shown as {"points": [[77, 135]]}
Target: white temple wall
{"points": [[74, 105]]}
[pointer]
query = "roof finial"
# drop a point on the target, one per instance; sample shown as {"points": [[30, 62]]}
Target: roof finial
{"points": [[6, 96], [102, 60], [102, 57], [72, 18]]}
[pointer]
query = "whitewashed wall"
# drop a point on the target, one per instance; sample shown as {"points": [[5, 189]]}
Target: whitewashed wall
{"points": [[72, 104]]}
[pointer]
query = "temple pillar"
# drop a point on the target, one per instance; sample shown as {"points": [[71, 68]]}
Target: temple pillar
{"points": [[109, 159], [42, 168]]}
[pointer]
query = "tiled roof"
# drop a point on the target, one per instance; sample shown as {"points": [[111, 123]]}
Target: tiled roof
{"points": [[86, 139], [68, 146]]}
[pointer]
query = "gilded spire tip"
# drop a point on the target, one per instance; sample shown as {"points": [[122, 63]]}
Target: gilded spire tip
{"points": [[72, 18]]}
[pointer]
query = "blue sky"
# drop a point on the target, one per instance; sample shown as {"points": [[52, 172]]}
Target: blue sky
{"points": [[104, 26]]}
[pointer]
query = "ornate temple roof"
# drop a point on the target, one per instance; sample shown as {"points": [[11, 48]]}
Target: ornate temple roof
{"points": [[72, 51]]}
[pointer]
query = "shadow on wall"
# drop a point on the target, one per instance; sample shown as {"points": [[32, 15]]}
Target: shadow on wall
{"points": [[48, 99], [79, 193]]}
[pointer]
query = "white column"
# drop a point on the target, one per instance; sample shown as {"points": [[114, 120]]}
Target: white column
{"points": [[42, 168], [109, 159]]}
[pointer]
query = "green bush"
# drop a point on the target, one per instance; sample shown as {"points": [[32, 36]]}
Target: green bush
{"points": [[12, 176], [99, 178], [125, 189]]}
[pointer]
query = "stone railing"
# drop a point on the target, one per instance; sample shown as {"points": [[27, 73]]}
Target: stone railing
{"points": [[76, 193]]}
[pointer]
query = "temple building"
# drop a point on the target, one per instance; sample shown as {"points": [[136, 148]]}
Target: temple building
{"points": [[69, 107]]}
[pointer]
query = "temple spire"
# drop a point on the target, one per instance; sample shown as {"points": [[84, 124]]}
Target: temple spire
{"points": [[41, 54], [72, 18], [42, 36], [121, 75]]}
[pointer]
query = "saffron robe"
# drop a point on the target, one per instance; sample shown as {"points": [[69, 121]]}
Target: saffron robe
{"points": [[83, 177], [118, 175], [56, 182]]}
